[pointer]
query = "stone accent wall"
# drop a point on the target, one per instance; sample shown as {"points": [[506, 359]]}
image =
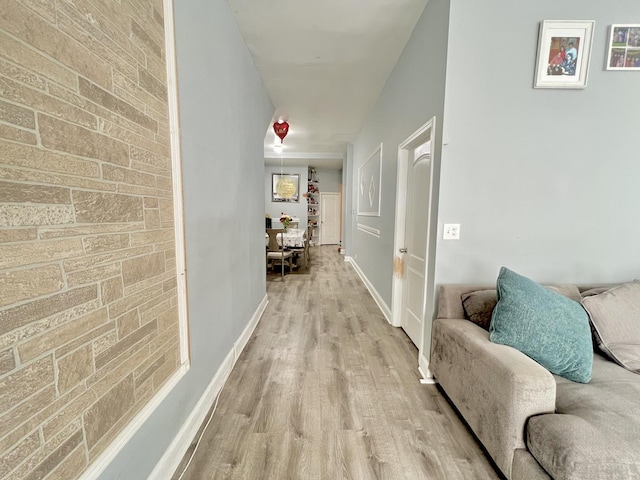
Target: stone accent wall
{"points": [[88, 305]]}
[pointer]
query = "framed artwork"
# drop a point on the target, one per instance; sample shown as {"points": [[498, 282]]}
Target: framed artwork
{"points": [[285, 187], [564, 50], [623, 51], [369, 175]]}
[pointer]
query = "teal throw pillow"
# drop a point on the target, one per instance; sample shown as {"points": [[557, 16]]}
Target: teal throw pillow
{"points": [[544, 325]]}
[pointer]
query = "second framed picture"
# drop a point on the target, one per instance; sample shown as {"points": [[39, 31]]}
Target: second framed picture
{"points": [[624, 47], [564, 50]]}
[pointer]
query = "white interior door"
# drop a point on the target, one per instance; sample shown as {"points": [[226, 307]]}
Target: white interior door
{"points": [[411, 299], [416, 229], [329, 218]]}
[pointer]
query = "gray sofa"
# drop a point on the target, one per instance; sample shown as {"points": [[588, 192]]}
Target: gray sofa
{"points": [[535, 425]]}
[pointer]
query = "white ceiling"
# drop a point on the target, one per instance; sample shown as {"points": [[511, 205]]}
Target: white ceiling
{"points": [[323, 64]]}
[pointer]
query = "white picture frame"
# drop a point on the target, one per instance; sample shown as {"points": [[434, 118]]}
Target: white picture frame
{"points": [[623, 49], [564, 53]]}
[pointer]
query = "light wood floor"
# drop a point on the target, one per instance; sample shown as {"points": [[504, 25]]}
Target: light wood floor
{"points": [[326, 389]]}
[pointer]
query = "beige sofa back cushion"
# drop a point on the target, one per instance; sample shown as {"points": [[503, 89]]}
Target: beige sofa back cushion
{"points": [[615, 316], [478, 305]]}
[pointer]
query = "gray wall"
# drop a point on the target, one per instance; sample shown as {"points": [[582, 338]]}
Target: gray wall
{"points": [[542, 181], [329, 181], [224, 115], [413, 94], [348, 210]]}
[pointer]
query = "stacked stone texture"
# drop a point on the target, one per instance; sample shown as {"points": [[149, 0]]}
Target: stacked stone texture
{"points": [[88, 310]]}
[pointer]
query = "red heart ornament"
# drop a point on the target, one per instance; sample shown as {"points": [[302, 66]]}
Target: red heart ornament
{"points": [[281, 129]]}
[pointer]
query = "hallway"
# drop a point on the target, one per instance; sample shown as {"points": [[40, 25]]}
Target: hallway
{"points": [[327, 389]]}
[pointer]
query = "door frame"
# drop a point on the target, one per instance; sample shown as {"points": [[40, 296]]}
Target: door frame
{"points": [[425, 133]]}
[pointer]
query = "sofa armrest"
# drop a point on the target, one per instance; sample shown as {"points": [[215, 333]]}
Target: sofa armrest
{"points": [[495, 387]]}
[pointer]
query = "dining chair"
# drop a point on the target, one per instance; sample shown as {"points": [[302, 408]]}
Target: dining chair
{"points": [[308, 243], [303, 250], [276, 252]]}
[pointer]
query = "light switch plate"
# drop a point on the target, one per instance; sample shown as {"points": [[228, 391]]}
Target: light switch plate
{"points": [[451, 231]]}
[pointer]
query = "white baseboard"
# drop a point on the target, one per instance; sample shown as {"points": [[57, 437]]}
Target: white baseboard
{"points": [[172, 457], [384, 308], [103, 460], [251, 326], [423, 367]]}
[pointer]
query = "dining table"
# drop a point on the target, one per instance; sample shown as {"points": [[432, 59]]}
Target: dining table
{"points": [[292, 238]]}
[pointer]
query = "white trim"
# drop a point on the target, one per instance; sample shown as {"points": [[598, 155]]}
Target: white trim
{"points": [[244, 337], [378, 186], [370, 230], [98, 466], [176, 169], [374, 293], [423, 368], [397, 286], [175, 452]]}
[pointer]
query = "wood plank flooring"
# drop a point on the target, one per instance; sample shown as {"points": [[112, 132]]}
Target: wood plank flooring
{"points": [[327, 389]]}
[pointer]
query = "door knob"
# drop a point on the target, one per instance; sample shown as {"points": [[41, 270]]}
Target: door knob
{"points": [[403, 250]]}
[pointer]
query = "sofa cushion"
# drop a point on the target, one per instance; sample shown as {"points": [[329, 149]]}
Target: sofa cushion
{"points": [[546, 326], [595, 431], [615, 316], [569, 291], [595, 291], [567, 447], [478, 305]]}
